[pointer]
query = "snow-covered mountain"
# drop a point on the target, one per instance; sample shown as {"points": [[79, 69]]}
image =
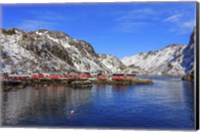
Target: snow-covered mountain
{"points": [[174, 59], [51, 51], [158, 62]]}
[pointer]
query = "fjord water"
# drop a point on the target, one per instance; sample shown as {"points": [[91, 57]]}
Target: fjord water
{"points": [[166, 104]]}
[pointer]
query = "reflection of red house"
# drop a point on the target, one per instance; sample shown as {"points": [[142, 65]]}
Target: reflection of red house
{"points": [[101, 76], [85, 75]]}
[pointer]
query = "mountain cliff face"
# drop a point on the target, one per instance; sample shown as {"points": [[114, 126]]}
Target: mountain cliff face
{"points": [[51, 51], [188, 53], [172, 60], [188, 57], [112, 63]]}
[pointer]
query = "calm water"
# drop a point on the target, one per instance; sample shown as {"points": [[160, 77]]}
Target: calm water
{"points": [[166, 104]]}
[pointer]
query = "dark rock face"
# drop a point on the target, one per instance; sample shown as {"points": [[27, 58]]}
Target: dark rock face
{"points": [[51, 51], [43, 47], [189, 76], [188, 55]]}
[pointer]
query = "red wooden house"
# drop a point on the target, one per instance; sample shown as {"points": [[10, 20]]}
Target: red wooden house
{"points": [[37, 76], [130, 76], [118, 77], [19, 77], [72, 75], [55, 76], [85, 75], [101, 76]]}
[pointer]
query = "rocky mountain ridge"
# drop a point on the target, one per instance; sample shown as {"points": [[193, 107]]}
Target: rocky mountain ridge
{"points": [[51, 51]]}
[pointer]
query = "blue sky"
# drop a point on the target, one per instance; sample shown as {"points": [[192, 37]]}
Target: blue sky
{"points": [[118, 29]]}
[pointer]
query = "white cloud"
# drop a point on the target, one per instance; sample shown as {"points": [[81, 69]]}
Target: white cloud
{"points": [[181, 23], [30, 25], [50, 15], [130, 21], [132, 26], [44, 19], [173, 18], [185, 27], [136, 14], [189, 24]]}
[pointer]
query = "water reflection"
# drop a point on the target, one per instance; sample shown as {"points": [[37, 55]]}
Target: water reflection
{"points": [[38, 103], [119, 87], [168, 103]]}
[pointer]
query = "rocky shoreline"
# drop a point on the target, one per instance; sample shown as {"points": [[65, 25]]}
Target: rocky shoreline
{"points": [[123, 82], [81, 83]]}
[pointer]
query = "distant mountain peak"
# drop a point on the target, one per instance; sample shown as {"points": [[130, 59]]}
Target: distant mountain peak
{"points": [[174, 59]]}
